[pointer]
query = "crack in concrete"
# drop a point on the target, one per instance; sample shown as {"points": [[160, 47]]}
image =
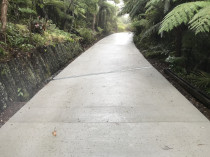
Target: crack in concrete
{"points": [[103, 73]]}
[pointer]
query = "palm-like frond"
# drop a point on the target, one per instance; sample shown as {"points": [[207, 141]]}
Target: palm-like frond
{"points": [[157, 2], [140, 23], [133, 7], [153, 2], [153, 29], [201, 21], [57, 3], [200, 78], [182, 14], [136, 8]]}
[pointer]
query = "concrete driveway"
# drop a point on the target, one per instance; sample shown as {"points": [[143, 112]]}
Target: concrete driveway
{"points": [[109, 102]]}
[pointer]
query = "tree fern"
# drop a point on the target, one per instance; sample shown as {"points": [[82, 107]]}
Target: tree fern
{"points": [[133, 7], [200, 79], [27, 11], [138, 6], [56, 3], [153, 3], [141, 23], [183, 14], [201, 21], [153, 29]]}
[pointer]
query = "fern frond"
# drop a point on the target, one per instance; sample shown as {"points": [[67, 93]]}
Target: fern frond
{"points": [[140, 23], [181, 14], [152, 3], [27, 11], [149, 9], [201, 21], [156, 2], [133, 7], [153, 29], [201, 79], [136, 7], [127, 8], [57, 3]]}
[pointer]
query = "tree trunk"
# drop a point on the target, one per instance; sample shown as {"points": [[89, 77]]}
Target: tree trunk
{"points": [[65, 20], [94, 22], [4, 8], [178, 42], [72, 22]]}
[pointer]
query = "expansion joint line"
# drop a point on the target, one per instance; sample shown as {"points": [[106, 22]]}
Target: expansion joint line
{"points": [[103, 73]]}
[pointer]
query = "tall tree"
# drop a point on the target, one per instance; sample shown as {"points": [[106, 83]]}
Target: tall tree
{"points": [[4, 9]]}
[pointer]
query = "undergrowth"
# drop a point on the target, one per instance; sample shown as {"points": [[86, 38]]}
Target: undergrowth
{"points": [[179, 65], [21, 38]]}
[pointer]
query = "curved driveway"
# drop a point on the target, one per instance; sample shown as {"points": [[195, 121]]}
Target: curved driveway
{"points": [[109, 102]]}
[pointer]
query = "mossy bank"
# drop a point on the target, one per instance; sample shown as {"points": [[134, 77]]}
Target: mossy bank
{"points": [[23, 76]]}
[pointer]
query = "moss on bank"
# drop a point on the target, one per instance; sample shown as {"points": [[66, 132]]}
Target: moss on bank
{"points": [[22, 77]]}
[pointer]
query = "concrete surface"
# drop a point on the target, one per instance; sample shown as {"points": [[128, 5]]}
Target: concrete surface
{"points": [[110, 102]]}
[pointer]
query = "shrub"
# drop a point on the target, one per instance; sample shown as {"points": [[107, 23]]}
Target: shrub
{"points": [[15, 37], [100, 30], [38, 39], [86, 34], [121, 28], [27, 47], [38, 25]]}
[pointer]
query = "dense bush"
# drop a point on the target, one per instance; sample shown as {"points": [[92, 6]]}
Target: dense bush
{"points": [[43, 22], [176, 32], [87, 35]]}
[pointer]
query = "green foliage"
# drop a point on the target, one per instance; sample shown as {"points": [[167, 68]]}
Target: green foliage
{"points": [[201, 21], [100, 30], [20, 93], [155, 3], [133, 7], [27, 11], [2, 53], [200, 78], [56, 35], [26, 47], [124, 24], [87, 35], [38, 39], [175, 61], [194, 13], [34, 23], [152, 30], [107, 19], [38, 25], [156, 51], [121, 28], [15, 37], [185, 46], [19, 37], [141, 23]]}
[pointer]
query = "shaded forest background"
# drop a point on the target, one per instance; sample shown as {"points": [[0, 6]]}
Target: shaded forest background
{"points": [[176, 32], [26, 24]]}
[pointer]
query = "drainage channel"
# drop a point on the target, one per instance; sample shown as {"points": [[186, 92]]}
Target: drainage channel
{"points": [[102, 73]]}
